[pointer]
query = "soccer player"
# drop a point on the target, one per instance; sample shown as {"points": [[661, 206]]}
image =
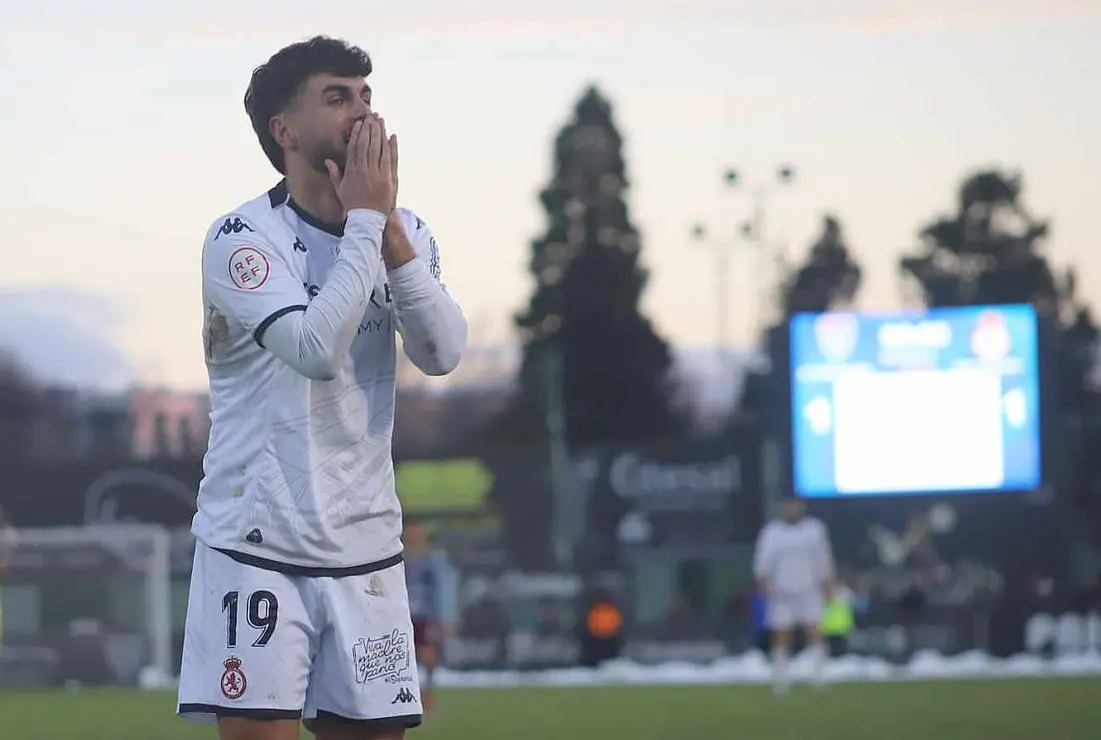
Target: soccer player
{"points": [[431, 583], [298, 607], [794, 568]]}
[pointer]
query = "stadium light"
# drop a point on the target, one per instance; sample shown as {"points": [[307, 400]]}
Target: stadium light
{"points": [[752, 232]]}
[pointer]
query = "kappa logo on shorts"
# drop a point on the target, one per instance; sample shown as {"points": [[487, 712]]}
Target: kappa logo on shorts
{"points": [[385, 658], [234, 682], [405, 696]]}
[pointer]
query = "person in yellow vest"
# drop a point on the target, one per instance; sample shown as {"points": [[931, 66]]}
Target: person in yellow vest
{"points": [[837, 620]]}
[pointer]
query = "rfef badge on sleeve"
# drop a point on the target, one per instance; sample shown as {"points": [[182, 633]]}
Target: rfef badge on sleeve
{"points": [[248, 268]]}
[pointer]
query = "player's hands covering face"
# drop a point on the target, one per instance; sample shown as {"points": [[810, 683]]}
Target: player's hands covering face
{"points": [[369, 177]]}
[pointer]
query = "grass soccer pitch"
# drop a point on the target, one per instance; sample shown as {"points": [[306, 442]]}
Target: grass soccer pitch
{"points": [[1014, 709]]}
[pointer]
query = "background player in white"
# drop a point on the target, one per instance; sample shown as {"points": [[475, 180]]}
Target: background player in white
{"points": [[298, 608], [794, 568]]}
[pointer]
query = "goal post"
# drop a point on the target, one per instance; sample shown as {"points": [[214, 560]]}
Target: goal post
{"points": [[87, 604]]}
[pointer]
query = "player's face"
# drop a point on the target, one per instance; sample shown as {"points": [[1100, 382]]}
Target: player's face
{"points": [[793, 510], [323, 116]]}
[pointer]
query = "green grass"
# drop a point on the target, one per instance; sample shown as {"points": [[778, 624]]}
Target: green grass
{"points": [[1052, 709]]}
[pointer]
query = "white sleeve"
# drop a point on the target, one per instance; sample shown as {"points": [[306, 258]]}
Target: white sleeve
{"points": [[826, 567], [764, 554], [250, 280], [432, 326]]}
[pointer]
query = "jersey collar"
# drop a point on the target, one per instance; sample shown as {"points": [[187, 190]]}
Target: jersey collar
{"points": [[281, 195]]}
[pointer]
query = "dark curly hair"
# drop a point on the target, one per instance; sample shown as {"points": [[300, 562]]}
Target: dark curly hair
{"points": [[277, 82]]}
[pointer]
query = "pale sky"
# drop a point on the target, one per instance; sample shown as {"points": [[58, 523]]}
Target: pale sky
{"points": [[123, 137]]}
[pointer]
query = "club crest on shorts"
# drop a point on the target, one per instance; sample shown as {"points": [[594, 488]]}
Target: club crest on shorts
{"points": [[233, 679]]}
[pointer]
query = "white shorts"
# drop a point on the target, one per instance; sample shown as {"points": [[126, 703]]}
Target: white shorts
{"points": [[258, 643], [803, 608]]}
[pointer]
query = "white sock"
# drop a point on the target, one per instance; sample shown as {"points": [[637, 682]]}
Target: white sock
{"points": [[818, 664], [780, 670]]}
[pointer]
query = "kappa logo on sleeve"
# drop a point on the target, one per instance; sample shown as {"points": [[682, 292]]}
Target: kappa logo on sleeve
{"points": [[232, 226], [248, 268]]}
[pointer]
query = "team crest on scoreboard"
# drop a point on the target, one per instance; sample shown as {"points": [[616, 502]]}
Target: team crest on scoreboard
{"points": [[990, 340], [234, 682], [836, 335]]}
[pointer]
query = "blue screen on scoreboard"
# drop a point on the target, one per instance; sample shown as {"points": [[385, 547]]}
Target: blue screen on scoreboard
{"points": [[946, 400]]}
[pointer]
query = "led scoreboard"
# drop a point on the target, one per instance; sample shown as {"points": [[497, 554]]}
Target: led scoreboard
{"points": [[931, 402]]}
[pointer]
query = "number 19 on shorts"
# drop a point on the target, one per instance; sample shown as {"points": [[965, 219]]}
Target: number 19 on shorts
{"points": [[261, 613]]}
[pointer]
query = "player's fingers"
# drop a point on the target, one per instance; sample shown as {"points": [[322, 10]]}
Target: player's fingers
{"points": [[354, 158], [374, 146], [354, 143], [383, 144], [363, 153], [334, 172], [384, 151], [393, 144]]}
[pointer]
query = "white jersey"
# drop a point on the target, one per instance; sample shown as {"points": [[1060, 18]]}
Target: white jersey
{"points": [[794, 557], [298, 475]]}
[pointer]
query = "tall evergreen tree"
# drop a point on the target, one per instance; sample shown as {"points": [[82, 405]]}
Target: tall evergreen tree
{"points": [[583, 316]]}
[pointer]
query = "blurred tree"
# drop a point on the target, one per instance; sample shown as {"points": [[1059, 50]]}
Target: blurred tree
{"points": [[988, 252], [583, 332], [828, 278], [20, 404]]}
